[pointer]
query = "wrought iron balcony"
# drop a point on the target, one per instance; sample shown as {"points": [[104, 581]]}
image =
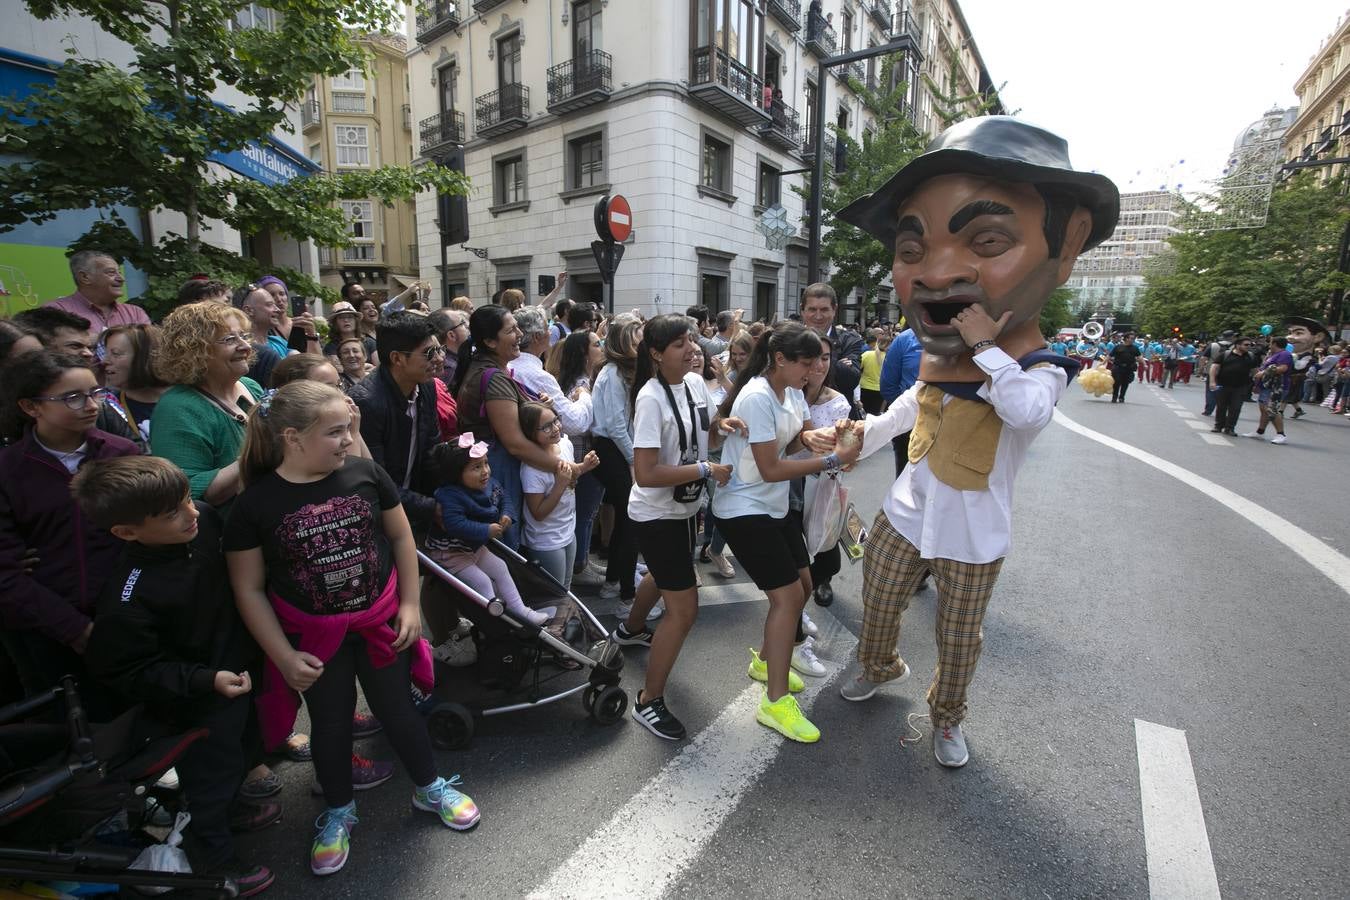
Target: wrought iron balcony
{"points": [[482, 6], [782, 129], [881, 14], [727, 86], [441, 130], [309, 113], [809, 147], [906, 24], [580, 81], [503, 110], [788, 13], [820, 36], [437, 18]]}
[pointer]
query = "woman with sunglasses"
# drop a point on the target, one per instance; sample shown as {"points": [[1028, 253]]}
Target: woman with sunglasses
{"points": [[50, 406]]}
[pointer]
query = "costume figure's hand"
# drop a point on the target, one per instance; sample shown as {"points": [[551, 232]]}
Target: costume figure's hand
{"points": [[975, 325]]}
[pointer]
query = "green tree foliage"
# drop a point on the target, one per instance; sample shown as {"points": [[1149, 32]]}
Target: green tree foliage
{"points": [[1056, 313], [141, 134], [1243, 278], [952, 107], [858, 259]]}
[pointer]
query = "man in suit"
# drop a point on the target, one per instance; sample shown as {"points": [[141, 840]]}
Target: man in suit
{"points": [[819, 307]]}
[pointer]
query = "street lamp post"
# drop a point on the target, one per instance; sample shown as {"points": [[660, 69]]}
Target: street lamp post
{"points": [[902, 44]]}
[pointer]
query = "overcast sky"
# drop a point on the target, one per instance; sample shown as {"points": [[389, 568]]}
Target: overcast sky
{"points": [[1150, 92]]}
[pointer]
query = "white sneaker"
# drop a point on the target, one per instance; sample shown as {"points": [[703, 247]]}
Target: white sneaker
{"points": [[808, 626], [1253, 434], [168, 781], [588, 577], [609, 591], [804, 659], [623, 609], [641, 570], [698, 578], [723, 566], [1279, 439]]}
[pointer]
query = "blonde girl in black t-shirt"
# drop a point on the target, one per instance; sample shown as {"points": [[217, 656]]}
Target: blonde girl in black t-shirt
{"points": [[324, 570]]}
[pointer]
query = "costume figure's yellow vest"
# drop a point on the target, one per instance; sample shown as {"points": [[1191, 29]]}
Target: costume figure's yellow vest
{"points": [[959, 438]]}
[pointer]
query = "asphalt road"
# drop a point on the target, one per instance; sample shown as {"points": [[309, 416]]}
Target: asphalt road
{"points": [[1129, 594]]}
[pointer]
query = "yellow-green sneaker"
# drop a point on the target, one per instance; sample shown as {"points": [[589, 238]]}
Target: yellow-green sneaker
{"points": [[759, 670], [785, 717]]}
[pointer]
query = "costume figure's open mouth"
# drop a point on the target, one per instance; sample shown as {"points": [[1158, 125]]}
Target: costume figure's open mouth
{"points": [[942, 312]]}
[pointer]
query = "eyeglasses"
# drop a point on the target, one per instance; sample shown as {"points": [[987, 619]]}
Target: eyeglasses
{"points": [[78, 400], [432, 352], [232, 340], [555, 425]]}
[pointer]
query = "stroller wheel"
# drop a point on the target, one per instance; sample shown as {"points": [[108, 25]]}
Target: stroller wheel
{"points": [[450, 726], [588, 697], [609, 705]]}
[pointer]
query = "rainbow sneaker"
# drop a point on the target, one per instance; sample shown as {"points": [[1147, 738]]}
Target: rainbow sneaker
{"points": [[456, 810], [759, 670], [333, 842], [785, 717]]}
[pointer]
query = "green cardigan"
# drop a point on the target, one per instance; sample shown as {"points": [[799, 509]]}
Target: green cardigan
{"points": [[196, 435]]}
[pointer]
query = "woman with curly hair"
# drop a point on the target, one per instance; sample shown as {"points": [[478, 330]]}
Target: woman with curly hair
{"points": [[198, 424]]}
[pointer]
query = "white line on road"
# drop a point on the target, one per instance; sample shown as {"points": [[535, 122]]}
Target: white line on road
{"points": [[663, 828], [1321, 556], [1185, 414], [1198, 425], [1180, 865], [1217, 439]]}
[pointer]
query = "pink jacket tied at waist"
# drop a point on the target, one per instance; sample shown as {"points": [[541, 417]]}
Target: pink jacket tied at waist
{"points": [[321, 636]]}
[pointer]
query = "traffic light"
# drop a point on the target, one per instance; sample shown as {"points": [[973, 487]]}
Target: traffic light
{"points": [[1176, 330]]}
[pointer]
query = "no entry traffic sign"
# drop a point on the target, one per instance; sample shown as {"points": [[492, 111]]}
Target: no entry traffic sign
{"points": [[613, 219]]}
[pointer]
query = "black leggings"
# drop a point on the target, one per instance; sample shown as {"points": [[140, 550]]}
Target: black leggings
{"points": [[617, 478], [332, 700]]}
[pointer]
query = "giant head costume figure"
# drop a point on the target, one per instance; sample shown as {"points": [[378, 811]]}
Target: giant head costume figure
{"points": [[992, 214], [1304, 333]]}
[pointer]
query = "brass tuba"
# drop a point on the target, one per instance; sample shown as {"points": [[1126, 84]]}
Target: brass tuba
{"points": [[1092, 333]]}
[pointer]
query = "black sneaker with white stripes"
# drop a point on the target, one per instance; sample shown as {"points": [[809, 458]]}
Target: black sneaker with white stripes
{"points": [[641, 638], [654, 716]]}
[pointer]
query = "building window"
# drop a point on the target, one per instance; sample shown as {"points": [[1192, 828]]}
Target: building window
{"points": [[316, 153], [585, 28], [353, 145], [586, 161], [508, 60], [254, 15], [846, 30], [770, 189], [716, 169], [509, 180], [352, 80], [447, 78], [360, 215], [713, 292]]}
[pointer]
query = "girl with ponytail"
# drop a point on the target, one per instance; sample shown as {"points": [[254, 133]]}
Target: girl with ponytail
{"points": [[324, 569], [673, 431], [752, 509]]}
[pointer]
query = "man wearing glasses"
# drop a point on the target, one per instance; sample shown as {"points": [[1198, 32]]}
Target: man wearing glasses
{"points": [[398, 410]]}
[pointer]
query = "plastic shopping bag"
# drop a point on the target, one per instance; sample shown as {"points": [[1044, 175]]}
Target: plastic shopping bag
{"points": [[166, 857], [824, 502]]}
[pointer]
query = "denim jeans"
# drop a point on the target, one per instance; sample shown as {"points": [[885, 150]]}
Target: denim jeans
{"points": [[590, 494], [506, 472]]}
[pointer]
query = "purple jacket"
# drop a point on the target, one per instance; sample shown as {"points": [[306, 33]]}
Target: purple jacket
{"points": [[36, 510]]}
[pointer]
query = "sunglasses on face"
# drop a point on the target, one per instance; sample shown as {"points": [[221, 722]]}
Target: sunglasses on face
{"points": [[430, 354]]}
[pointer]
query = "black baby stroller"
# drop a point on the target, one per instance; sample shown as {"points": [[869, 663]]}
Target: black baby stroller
{"points": [[72, 796], [519, 665]]}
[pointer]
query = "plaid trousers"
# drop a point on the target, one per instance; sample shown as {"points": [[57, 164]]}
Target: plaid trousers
{"points": [[892, 571]]}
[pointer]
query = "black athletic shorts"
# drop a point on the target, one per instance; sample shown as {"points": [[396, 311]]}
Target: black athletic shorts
{"points": [[667, 546], [770, 550]]}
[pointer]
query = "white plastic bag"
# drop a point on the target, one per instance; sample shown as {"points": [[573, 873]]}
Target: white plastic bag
{"points": [[165, 857], [824, 502]]}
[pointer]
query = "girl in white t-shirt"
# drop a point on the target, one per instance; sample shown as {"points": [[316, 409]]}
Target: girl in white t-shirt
{"points": [[752, 509], [673, 428], [550, 497]]}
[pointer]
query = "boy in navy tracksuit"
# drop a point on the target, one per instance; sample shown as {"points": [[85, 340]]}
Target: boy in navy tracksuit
{"points": [[167, 636]]}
